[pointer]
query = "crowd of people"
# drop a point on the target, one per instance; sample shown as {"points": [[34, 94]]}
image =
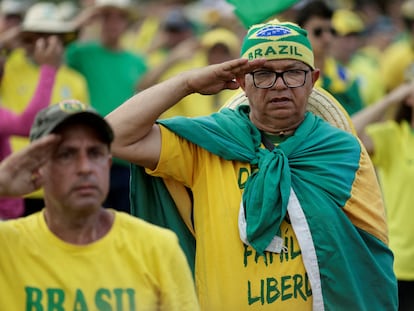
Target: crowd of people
{"points": [[119, 118]]}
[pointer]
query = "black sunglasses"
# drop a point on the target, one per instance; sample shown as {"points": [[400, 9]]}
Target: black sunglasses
{"points": [[318, 31]]}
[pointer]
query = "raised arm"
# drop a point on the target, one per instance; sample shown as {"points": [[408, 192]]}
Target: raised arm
{"points": [[137, 137], [376, 112], [48, 53]]}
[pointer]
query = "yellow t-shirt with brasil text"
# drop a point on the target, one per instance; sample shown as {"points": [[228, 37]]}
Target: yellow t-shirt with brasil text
{"points": [[136, 266], [230, 275]]}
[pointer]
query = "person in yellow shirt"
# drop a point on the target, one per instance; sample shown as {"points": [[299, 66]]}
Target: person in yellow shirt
{"points": [[316, 17], [111, 77], [390, 142], [214, 46], [283, 210], [21, 73], [76, 254], [400, 54], [348, 42], [175, 48]]}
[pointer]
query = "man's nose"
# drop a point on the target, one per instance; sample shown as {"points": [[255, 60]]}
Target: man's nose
{"points": [[84, 162], [279, 83]]}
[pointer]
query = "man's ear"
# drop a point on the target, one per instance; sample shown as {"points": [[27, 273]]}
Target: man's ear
{"points": [[315, 76], [242, 82]]}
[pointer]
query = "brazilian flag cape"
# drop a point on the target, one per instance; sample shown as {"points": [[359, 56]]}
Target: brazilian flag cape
{"points": [[307, 164]]}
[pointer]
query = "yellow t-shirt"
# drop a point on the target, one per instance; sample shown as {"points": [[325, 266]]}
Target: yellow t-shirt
{"points": [[395, 61], [135, 266], [230, 275], [394, 160], [19, 83], [365, 64], [139, 37]]}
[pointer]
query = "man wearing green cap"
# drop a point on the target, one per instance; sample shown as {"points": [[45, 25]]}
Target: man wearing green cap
{"points": [[75, 254], [283, 208]]}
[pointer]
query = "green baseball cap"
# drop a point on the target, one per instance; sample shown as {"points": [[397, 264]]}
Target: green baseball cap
{"points": [[73, 111]]}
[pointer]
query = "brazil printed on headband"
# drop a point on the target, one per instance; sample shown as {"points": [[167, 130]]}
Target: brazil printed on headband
{"points": [[277, 40], [265, 50]]}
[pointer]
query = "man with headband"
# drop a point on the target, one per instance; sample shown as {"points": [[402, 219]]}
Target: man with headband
{"points": [[284, 208]]}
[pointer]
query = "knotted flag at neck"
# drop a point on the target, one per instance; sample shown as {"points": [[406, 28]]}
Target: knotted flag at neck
{"points": [[231, 135]]}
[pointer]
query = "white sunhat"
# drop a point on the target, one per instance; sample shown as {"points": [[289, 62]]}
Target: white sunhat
{"points": [[123, 5], [46, 17]]}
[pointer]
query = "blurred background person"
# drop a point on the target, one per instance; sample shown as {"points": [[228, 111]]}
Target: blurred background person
{"points": [[390, 143], [48, 54], [393, 9], [175, 28], [400, 54], [219, 45], [111, 73], [316, 17], [365, 67], [11, 16], [366, 61], [21, 72], [146, 34], [175, 48], [182, 47]]}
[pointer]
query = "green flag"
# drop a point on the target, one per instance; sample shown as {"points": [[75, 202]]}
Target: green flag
{"points": [[257, 11]]}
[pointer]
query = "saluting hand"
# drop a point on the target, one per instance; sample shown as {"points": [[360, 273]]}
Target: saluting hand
{"points": [[18, 172], [214, 78]]}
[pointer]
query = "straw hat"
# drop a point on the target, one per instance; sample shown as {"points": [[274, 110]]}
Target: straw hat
{"points": [[320, 103]]}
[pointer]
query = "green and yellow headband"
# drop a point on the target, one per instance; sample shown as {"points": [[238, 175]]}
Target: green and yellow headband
{"points": [[278, 40]]}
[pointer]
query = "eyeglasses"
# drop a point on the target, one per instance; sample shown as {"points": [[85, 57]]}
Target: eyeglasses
{"points": [[265, 79], [318, 31]]}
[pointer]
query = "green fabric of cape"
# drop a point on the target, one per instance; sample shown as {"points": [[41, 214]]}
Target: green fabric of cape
{"points": [[151, 201], [319, 162], [227, 134]]}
